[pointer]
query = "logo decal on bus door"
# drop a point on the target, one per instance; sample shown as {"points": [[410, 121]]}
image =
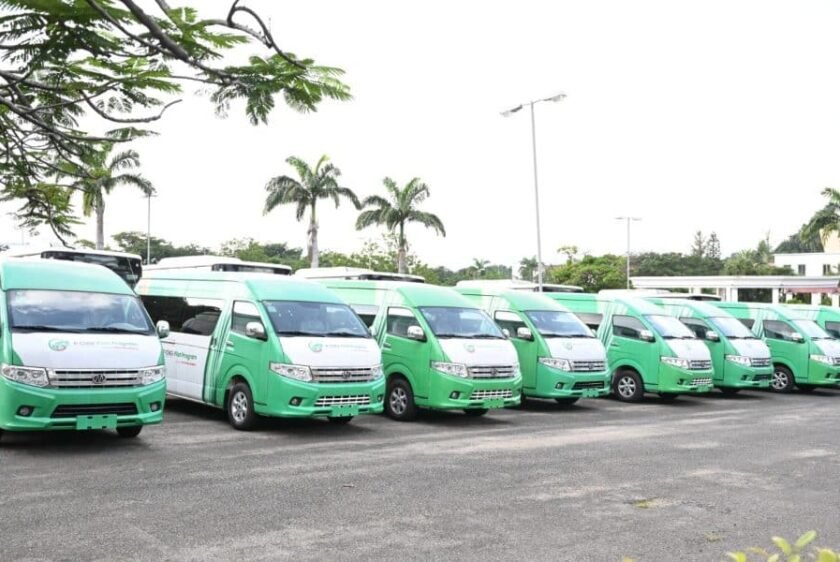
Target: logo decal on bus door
{"points": [[58, 345]]}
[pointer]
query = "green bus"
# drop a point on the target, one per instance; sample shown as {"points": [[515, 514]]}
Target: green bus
{"points": [[264, 345], [740, 359], [439, 350], [560, 358], [804, 355], [77, 350]]}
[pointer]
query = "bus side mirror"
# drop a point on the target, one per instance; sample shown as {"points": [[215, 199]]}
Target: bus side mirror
{"points": [[524, 333], [796, 337], [416, 333], [646, 335], [712, 336], [255, 330], [162, 328]]}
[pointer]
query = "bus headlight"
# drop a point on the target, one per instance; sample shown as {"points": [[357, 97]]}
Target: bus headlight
{"points": [[33, 376], [376, 372], [559, 364], [454, 369], [677, 362], [824, 359], [152, 374], [739, 360], [297, 372]]}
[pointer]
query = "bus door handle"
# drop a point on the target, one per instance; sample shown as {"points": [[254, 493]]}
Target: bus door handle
{"points": [[386, 346], [229, 344]]}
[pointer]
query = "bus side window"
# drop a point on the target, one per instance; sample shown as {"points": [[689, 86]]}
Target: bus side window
{"points": [[833, 329], [185, 315], [699, 327], [590, 319], [244, 313], [510, 321], [748, 322], [627, 327]]}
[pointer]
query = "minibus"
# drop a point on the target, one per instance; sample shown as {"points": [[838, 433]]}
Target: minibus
{"points": [[128, 266], [264, 345], [219, 263], [439, 350], [589, 307], [740, 360], [804, 355], [77, 350], [827, 317], [559, 356]]}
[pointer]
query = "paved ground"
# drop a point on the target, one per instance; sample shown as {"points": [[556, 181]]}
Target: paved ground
{"points": [[600, 481]]}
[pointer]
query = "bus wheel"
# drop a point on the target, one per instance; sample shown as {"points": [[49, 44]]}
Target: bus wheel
{"points": [[782, 380], [130, 431], [476, 412], [399, 402], [240, 407], [342, 420], [566, 401], [729, 391], [628, 386]]}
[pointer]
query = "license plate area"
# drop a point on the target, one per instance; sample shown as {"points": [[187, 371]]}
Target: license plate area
{"points": [[495, 403], [96, 422], [344, 411]]}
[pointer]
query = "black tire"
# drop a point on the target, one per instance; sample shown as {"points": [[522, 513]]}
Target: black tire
{"points": [[627, 386], [729, 391], [806, 388], [782, 381], [399, 400], [566, 401], [668, 397], [523, 400], [476, 412], [342, 420], [129, 431], [240, 407]]}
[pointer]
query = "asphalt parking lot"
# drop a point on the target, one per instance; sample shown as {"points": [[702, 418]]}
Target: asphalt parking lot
{"points": [[598, 481]]}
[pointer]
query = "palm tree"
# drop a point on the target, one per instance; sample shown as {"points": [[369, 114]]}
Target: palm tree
{"points": [[100, 176], [479, 266], [320, 183], [400, 208], [825, 221]]}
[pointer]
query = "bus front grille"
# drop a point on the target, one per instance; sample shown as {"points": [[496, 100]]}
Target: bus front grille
{"points": [[588, 366], [491, 394], [339, 375], [354, 399], [583, 385], [701, 382], [73, 410], [700, 365], [760, 362], [94, 378], [492, 371]]}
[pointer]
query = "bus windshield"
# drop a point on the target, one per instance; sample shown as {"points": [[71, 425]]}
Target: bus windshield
{"points": [[669, 327], [74, 311], [557, 324], [812, 329], [315, 319], [731, 328], [456, 322]]}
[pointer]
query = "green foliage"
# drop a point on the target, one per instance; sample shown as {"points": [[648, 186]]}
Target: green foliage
{"points": [[826, 221], [787, 552], [77, 75], [593, 273], [652, 264], [135, 243], [396, 211]]}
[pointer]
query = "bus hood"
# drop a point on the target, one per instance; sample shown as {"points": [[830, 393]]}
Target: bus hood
{"points": [[331, 352], [693, 350], [86, 351], [831, 348], [479, 352], [577, 349], [755, 349]]}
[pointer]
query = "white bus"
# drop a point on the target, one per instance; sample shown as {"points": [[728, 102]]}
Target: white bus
{"points": [[128, 266], [219, 263], [356, 273]]}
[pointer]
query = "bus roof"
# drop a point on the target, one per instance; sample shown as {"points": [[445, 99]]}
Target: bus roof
{"points": [[186, 262], [520, 300], [356, 273], [700, 308], [264, 286], [658, 293], [55, 275], [518, 285], [33, 251], [432, 295]]}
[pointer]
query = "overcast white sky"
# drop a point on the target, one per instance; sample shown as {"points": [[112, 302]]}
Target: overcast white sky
{"points": [[714, 115]]}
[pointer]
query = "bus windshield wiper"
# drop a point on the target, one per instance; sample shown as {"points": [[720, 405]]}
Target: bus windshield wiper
{"points": [[300, 333], [445, 336], [484, 337], [40, 328], [107, 330], [559, 335], [345, 335]]}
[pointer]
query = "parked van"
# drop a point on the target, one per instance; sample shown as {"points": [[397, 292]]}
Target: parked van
{"points": [[740, 359], [219, 263], [803, 354], [651, 351], [827, 317], [77, 350], [439, 350], [264, 345], [559, 356]]}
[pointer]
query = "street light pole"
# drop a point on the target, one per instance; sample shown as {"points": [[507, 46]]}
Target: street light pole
{"points": [[556, 98], [149, 231], [629, 220]]}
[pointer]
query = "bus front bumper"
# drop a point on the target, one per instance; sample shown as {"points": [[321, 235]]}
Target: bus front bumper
{"points": [[30, 408], [673, 380], [454, 393], [553, 383], [740, 376], [820, 374], [289, 398]]}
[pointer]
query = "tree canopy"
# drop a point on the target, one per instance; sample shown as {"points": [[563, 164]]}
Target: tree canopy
{"points": [[76, 75]]}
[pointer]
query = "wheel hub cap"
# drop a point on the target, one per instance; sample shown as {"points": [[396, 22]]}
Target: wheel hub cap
{"points": [[239, 407], [626, 387], [398, 400]]}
